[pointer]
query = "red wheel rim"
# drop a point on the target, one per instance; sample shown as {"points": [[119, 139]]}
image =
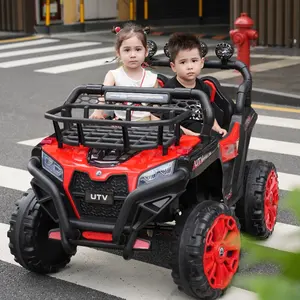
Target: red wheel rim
{"points": [[271, 200], [222, 252]]}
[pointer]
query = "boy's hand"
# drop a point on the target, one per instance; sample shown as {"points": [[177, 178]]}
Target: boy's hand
{"points": [[222, 131]]}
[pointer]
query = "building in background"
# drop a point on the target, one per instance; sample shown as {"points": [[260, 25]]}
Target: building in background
{"points": [[277, 21]]}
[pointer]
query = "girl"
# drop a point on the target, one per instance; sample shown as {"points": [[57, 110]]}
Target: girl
{"points": [[131, 48]]}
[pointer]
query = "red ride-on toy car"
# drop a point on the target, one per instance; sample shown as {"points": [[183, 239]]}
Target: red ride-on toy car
{"points": [[106, 183]]}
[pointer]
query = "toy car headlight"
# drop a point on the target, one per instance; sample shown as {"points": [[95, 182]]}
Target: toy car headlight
{"points": [[52, 166], [157, 173]]}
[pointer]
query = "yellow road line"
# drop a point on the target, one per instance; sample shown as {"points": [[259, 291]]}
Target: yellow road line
{"points": [[28, 38], [276, 108]]}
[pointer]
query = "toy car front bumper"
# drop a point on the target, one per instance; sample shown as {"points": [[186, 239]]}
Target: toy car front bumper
{"points": [[160, 193]]}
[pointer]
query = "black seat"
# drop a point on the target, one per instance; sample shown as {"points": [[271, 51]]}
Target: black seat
{"points": [[224, 103]]}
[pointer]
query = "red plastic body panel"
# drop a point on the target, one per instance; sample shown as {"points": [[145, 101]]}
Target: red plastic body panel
{"points": [[73, 158], [98, 236], [229, 145]]}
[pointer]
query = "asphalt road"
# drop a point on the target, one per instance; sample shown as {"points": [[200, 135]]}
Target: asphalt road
{"points": [[25, 95]]}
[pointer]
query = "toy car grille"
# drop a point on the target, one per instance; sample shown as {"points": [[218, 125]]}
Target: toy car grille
{"points": [[81, 182]]}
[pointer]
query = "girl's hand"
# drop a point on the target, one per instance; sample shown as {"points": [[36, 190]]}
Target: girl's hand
{"points": [[97, 114]]}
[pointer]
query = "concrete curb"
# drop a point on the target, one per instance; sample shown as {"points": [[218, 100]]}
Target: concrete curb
{"points": [[8, 37], [265, 96]]}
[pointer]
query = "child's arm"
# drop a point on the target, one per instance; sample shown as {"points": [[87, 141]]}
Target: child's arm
{"points": [[110, 81], [153, 118], [189, 132], [156, 84]]}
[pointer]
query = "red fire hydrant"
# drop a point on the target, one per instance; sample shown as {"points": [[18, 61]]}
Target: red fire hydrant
{"points": [[242, 35]]}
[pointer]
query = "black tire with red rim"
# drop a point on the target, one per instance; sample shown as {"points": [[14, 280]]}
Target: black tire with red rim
{"points": [[257, 211], [28, 238], [206, 250]]}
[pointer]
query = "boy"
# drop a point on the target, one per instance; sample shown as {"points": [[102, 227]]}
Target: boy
{"points": [[186, 62]]}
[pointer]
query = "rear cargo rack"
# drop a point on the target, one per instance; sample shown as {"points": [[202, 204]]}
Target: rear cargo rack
{"points": [[124, 135]]}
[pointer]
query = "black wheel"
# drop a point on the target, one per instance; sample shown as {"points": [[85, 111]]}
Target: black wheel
{"points": [[206, 250], [28, 238], [257, 211]]}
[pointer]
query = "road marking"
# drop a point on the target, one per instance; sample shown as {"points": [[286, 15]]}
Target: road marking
{"points": [[28, 44], [13, 178], [47, 49], [82, 65], [285, 237], [278, 122], [238, 294], [274, 146], [78, 66], [268, 66], [276, 108], [42, 59], [288, 182], [32, 142]]}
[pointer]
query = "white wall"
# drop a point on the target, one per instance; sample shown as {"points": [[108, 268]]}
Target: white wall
{"points": [[100, 9]]}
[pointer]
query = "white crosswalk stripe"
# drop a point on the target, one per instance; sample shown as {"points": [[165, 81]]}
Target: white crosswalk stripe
{"points": [[55, 57], [273, 146], [46, 49], [279, 122], [28, 44], [36, 51], [78, 66]]}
